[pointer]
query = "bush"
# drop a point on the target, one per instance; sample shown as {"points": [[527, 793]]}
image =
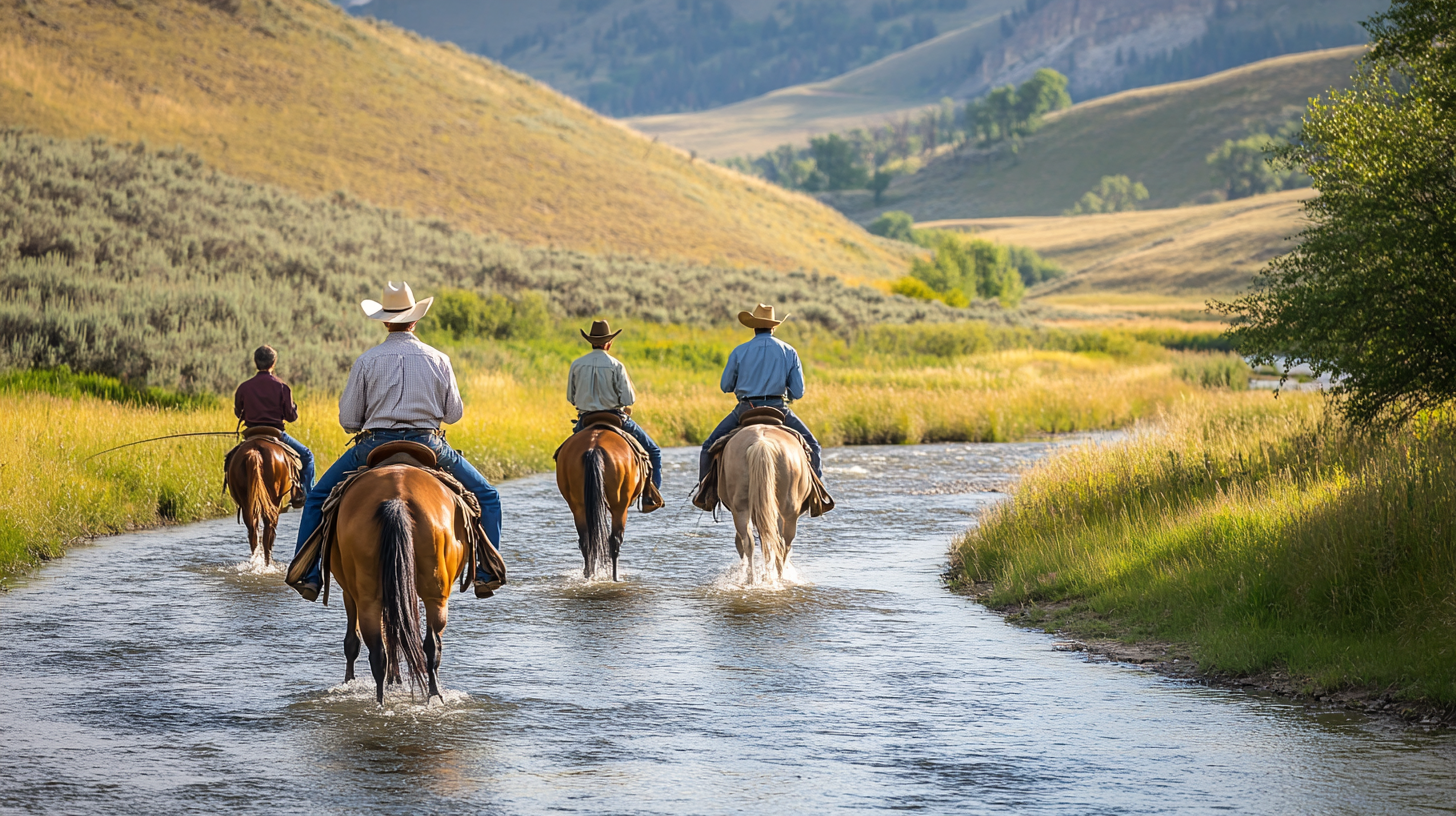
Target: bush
{"points": [[1113, 194]]}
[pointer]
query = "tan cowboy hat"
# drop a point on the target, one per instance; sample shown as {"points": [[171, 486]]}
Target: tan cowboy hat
{"points": [[601, 332], [399, 305], [762, 317]]}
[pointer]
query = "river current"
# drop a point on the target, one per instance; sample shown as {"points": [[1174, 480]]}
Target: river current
{"points": [[160, 672]]}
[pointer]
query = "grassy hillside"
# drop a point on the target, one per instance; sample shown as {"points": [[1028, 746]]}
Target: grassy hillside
{"points": [[1159, 136], [296, 93], [156, 269], [1185, 252]]}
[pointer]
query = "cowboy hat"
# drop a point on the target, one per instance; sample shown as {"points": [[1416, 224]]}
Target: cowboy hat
{"points": [[399, 305], [762, 317], [601, 333]]}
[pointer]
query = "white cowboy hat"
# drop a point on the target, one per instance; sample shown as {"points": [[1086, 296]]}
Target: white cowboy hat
{"points": [[399, 305], [762, 317]]}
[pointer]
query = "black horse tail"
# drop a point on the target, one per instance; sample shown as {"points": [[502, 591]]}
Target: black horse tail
{"points": [[401, 604], [598, 514]]}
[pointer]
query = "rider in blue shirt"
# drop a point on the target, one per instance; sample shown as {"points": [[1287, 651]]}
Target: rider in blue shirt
{"points": [[762, 372]]}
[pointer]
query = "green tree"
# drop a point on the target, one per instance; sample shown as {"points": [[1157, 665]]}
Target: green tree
{"points": [[1369, 293], [1244, 168], [1113, 194], [879, 183], [836, 158], [969, 268], [896, 225], [1045, 92]]}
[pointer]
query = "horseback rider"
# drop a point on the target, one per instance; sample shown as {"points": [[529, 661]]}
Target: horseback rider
{"points": [[400, 389], [599, 382], [267, 401], [765, 371]]}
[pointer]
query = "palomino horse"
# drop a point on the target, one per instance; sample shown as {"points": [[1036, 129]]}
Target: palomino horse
{"points": [[399, 540], [259, 478], [597, 473], [764, 481]]}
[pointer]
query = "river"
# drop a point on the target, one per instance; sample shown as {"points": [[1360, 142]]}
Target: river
{"points": [[159, 672]]}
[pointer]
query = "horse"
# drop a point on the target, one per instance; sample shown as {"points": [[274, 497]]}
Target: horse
{"points": [[764, 482], [259, 478], [400, 539], [598, 474]]}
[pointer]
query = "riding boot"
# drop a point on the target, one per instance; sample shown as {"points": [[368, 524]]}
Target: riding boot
{"points": [[299, 494]]}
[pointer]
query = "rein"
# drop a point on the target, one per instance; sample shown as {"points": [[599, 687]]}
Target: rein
{"points": [[159, 439]]}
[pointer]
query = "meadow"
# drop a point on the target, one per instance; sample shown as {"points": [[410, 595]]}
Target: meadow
{"points": [[888, 385], [1264, 534]]}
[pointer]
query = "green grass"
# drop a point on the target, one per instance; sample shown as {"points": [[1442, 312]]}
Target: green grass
{"points": [[1260, 532]]}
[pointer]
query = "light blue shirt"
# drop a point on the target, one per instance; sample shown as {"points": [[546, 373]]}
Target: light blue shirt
{"points": [[764, 367]]}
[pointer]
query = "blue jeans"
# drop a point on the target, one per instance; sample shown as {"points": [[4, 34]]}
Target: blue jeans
{"points": [[358, 455], [306, 455], [654, 453], [731, 421]]}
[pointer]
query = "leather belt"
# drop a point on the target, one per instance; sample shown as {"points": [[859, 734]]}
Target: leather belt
{"points": [[778, 397]]}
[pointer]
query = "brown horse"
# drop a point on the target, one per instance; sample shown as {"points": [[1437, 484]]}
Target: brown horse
{"points": [[260, 479], [597, 473], [399, 541], [765, 481]]}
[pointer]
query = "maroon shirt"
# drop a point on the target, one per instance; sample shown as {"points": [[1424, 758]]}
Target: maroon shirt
{"points": [[265, 400]]}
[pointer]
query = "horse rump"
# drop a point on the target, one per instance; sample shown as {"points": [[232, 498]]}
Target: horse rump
{"points": [[400, 605]]}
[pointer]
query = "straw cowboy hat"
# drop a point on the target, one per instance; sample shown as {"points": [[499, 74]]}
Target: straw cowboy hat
{"points": [[399, 305], [601, 333], [762, 317]]}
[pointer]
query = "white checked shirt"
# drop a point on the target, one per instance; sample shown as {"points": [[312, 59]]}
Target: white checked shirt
{"points": [[599, 382], [400, 383]]}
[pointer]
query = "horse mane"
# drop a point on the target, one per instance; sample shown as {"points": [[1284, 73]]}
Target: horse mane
{"points": [[401, 604]]}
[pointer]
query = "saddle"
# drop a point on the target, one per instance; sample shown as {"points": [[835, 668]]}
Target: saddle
{"points": [[409, 454], [609, 420], [274, 437], [705, 496]]}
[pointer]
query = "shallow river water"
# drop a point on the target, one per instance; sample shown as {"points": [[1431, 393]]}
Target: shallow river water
{"points": [[159, 672]]}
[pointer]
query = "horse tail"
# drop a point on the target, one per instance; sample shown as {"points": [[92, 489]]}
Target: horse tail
{"points": [[401, 603], [598, 513], [256, 493], [763, 502]]}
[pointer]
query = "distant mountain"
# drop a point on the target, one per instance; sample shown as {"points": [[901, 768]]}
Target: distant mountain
{"points": [[1102, 46], [298, 94], [1159, 136]]}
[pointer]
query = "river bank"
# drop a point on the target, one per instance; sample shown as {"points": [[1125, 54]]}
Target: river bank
{"points": [[1278, 548]]}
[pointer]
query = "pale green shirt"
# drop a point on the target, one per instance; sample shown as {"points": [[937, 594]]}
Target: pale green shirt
{"points": [[599, 382]]}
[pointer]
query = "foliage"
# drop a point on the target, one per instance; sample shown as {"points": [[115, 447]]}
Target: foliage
{"points": [[970, 268], [701, 54], [464, 314], [1113, 194], [1259, 531], [898, 225], [151, 268], [1368, 294], [63, 382], [1010, 111], [1243, 168], [836, 165], [1214, 370]]}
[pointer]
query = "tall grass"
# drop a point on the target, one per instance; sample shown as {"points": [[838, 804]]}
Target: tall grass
{"points": [[1259, 531]]}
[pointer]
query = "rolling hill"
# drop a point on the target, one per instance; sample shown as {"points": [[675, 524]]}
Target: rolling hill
{"points": [[1102, 46], [297, 93], [1159, 136], [1152, 262]]}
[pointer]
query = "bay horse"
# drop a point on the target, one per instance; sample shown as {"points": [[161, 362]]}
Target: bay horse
{"points": [[764, 482], [598, 475], [259, 477], [399, 540]]}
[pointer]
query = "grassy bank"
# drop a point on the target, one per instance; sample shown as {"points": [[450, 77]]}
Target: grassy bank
{"points": [[955, 384], [1259, 532]]}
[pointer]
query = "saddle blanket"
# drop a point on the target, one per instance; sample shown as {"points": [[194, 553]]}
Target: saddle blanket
{"points": [[646, 491], [705, 496]]}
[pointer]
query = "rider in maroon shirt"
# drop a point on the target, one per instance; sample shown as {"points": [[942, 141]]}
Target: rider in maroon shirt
{"points": [[267, 400]]}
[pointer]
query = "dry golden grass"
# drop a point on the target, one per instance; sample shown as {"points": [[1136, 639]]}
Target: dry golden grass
{"points": [[298, 94]]}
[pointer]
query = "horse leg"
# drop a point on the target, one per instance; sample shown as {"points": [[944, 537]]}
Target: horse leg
{"points": [[790, 528], [614, 541], [252, 524], [370, 623], [436, 616], [586, 564], [743, 539], [270, 532], [351, 637]]}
